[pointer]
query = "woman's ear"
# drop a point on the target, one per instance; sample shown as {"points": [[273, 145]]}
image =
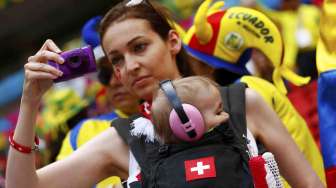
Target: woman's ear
{"points": [[174, 42]]}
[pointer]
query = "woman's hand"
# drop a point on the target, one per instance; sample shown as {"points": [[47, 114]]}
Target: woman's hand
{"points": [[38, 74]]}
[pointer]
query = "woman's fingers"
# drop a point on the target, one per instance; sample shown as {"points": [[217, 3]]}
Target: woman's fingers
{"points": [[39, 75], [48, 51], [51, 46], [33, 75], [43, 56], [41, 67]]}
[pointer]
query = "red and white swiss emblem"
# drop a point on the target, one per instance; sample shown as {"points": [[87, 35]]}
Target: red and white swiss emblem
{"points": [[200, 168]]}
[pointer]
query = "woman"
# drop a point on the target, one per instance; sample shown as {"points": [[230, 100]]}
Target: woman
{"points": [[143, 49]]}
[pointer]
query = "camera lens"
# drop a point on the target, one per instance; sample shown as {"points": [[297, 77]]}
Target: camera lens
{"points": [[74, 59]]}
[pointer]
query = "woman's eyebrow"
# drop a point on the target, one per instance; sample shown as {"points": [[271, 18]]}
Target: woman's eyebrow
{"points": [[129, 43]]}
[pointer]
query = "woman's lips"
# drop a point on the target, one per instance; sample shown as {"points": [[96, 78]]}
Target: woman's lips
{"points": [[140, 81]]}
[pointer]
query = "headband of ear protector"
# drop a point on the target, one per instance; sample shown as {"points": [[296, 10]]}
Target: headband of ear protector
{"points": [[185, 120]]}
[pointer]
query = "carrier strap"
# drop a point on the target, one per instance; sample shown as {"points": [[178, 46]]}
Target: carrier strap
{"points": [[123, 126], [137, 145], [233, 98]]}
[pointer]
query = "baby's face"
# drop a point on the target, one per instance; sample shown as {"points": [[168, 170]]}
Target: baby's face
{"points": [[211, 106]]}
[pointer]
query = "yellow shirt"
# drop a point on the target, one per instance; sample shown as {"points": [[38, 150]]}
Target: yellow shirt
{"points": [[85, 131], [294, 123]]}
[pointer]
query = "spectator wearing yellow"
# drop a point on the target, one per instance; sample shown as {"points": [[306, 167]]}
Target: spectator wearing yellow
{"points": [[220, 43]]}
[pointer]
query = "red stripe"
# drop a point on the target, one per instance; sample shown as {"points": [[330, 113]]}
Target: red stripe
{"points": [[331, 177], [209, 48]]}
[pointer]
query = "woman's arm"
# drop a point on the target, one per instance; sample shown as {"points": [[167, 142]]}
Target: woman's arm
{"points": [[269, 130], [38, 79], [91, 163], [86, 167]]}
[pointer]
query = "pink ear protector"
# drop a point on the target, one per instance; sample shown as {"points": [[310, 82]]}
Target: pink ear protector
{"points": [[185, 120]]}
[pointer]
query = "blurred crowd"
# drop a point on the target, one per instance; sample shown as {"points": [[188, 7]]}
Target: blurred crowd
{"points": [[71, 102]]}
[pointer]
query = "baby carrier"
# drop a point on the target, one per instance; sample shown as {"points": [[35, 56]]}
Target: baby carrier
{"points": [[218, 159]]}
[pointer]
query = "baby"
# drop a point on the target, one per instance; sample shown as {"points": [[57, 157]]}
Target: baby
{"points": [[205, 95], [198, 91]]}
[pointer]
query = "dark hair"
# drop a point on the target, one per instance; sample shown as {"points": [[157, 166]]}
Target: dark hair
{"points": [[156, 15], [105, 71]]}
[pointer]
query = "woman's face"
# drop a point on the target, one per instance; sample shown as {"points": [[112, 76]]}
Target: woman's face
{"points": [[263, 65], [139, 56]]}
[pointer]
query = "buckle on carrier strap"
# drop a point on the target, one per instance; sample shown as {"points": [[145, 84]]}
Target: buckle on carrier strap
{"points": [[163, 150]]}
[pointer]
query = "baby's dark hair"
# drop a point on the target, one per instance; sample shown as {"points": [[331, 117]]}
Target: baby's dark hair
{"points": [[187, 90]]}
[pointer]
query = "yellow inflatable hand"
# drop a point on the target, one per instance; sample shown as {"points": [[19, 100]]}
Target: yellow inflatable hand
{"points": [[215, 7], [204, 31]]}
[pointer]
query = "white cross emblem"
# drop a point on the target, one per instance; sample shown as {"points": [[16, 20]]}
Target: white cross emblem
{"points": [[200, 168]]}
